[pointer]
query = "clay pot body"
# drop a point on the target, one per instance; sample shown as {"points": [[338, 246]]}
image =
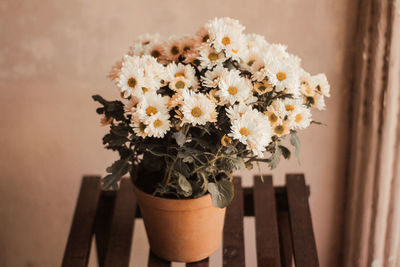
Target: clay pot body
{"points": [[181, 230]]}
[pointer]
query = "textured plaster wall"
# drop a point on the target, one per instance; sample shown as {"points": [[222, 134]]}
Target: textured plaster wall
{"points": [[55, 54]]}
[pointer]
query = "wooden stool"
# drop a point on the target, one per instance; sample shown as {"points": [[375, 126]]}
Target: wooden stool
{"points": [[282, 219]]}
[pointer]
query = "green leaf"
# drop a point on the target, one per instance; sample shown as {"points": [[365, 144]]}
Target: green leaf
{"points": [[221, 193], [184, 184], [180, 138], [295, 141], [120, 130], [275, 158], [249, 166], [116, 170], [203, 177], [285, 152], [113, 109], [188, 159], [238, 163]]}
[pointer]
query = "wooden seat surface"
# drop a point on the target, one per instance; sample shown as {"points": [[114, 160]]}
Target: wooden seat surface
{"points": [[284, 232]]}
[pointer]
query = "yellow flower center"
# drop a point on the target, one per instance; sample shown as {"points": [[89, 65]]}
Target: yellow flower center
{"points": [[225, 140], [226, 40], [145, 90], [279, 129], [298, 118], [155, 53], [273, 118], [289, 107], [157, 123], [150, 110], [174, 50], [132, 82], [142, 126], [232, 90], [213, 56], [180, 84], [179, 74], [196, 112], [235, 50], [309, 91], [281, 76], [250, 62], [244, 131]]}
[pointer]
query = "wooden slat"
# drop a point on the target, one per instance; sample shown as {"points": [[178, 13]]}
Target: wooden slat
{"points": [[280, 197], [80, 237], [155, 261], [267, 236], [304, 247], [285, 238], [103, 223], [203, 263], [233, 240], [120, 240]]}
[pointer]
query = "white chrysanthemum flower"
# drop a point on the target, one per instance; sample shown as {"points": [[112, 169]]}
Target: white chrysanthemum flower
{"points": [[263, 87], [197, 108], [175, 100], [234, 88], [281, 129], [237, 111], [181, 77], [226, 35], [306, 87], [209, 57], [273, 116], [138, 126], [154, 69], [173, 48], [131, 76], [318, 102], [321, 85], [277, 51], [153, 75], [213, 95], [255, 41], [158, 125], [300, 118], [151, 104], [253, 130], [283, 75], [130, 107], [276, 112], [290, 105], [144, 44], [203, 35], [212, 77], [283, 111], [254, 60], [188, 45]]}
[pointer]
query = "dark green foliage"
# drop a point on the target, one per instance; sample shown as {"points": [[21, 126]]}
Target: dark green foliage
{"points": [[221, 192], [188, 161]]}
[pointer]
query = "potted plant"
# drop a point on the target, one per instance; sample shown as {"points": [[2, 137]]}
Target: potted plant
{"points": [[194, 110]]}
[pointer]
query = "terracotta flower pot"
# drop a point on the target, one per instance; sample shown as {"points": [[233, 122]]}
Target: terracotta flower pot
{"points": [[181, 230]]}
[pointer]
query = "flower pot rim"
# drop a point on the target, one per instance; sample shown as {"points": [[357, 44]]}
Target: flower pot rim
{"points": [[169, 204]]}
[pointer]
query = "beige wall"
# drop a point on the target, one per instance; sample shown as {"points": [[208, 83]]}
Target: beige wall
{"points": [[55, 54]]}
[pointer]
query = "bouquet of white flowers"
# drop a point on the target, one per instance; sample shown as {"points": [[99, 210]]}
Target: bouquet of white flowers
{"points": [[197, 108]]}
